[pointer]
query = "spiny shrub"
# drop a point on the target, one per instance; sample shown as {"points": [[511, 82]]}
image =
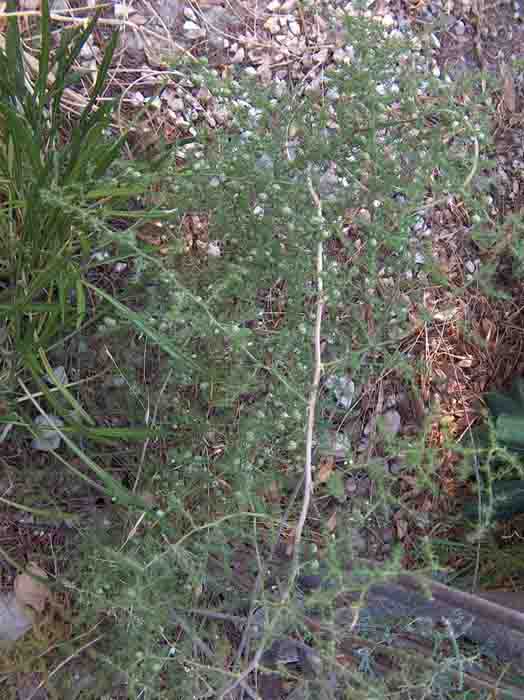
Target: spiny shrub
{"points": [[236, 333]]}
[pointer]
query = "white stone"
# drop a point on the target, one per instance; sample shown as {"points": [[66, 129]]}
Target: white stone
{"points": [[388, 21], [122, 10], [189, 14], [321, 56], [137, 98], [279, 88], [339, 55], [175, 103], [213, 249], [460, 28], [272, 24], [193, 31], [239, 55]]}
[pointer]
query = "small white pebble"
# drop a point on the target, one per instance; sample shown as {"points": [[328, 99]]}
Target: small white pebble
{"points": [[339, 55], [460, 28], [189, 14], [122, 10], [272, 24], [239, 55], [294, 28], [193, 31], [137, 98], [213, 249]]}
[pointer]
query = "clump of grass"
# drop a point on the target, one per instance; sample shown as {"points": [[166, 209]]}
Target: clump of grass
{"points": [[46, 161], [61, 181]]}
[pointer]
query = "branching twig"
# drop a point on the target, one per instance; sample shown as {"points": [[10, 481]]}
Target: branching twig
{"points": [[64, 663]]}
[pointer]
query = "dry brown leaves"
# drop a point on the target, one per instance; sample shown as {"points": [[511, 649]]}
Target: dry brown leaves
{"points": [[30, 590]]}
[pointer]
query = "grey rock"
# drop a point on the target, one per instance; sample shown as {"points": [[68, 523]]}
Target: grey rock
{"points": [[358, 541], [48, 438], [343, 388], [351, 486], [265, 162], [396, 466], [14, 622], [60, 376], [392, 422], [292, 651]]}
